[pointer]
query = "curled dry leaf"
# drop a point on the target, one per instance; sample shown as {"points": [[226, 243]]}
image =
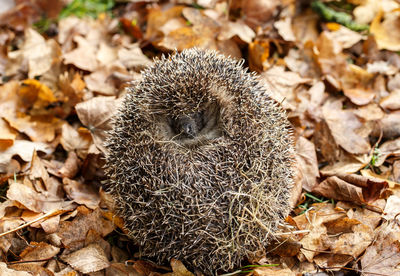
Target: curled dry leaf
{"points": [[71, 165], [392, 207], [96, 115], [346, 128], [81, 193], [307, 160], [284, 27], [392, 101], [83, 56], [383, 256], [88, 259], [11, 272], [7, 135], [23, 149], [179, 269], [39, 251], [73, 233], [32, 200], [238, 28], [388, 126], [75, 140], [40, 54], [389, 148], [386, 31], [351, 187]]}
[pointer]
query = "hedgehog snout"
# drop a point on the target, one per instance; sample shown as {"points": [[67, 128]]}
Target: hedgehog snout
{"points": [[188, 126]]}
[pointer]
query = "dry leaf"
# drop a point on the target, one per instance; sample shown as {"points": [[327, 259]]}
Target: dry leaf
{"points": [[98, 120], [83, 56], [73, 233], [351, 187], [23, 149], [392, 101], [284, 27], [273, 271], [82, 193], [392, 208], [39, 251], [179, 269], [4, 271], [386, 32], [40, 54], [383, 256], [307, 160], [7, 135], [346, 128], [75, 140], [88, 259]]}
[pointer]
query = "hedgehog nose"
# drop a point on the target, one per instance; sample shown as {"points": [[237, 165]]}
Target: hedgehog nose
{"points": [[189, 130]]}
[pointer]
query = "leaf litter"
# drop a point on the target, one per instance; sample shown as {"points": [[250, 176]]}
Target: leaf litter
{"points": [[333, 65]]}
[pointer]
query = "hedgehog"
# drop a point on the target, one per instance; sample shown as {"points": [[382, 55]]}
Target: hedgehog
{"points": [[200, 162]]}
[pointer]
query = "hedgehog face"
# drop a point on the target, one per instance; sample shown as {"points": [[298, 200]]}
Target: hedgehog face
{"points": [[190, 129]]}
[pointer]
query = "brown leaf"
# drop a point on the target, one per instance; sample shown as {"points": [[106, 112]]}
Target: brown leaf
{"points": [[386, 32], [351, 187], [7, 135], [71, 165], [88, 259], [307, 160], [73, 233], [383, 256], [96, 115], [83, 56], [179, 269], [237, 28], [11, 272], [39, 251], [30, 199], [40, 54], [392, 208], [346, 128], [284, 27], [23, 149], [388, 126], [273, 271], [75, 140], [99, 81], [357, 85], [392, 101], [81, 193]]}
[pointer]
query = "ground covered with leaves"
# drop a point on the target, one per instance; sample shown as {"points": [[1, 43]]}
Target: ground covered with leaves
{"points": [[333, 65]]}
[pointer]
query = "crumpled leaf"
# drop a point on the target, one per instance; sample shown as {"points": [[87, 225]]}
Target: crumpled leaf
{"points": [[351, 187], [11, 272], [386, 31], [307, 160], [82, 193], [346, 128], [84, 56], [88, 259], [39, 251], [7, 135], [23, 149], [383, 256], [40, 54], [98, 120]]}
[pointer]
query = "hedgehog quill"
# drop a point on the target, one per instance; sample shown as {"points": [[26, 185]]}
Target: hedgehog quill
{"points": [[200, 162]]}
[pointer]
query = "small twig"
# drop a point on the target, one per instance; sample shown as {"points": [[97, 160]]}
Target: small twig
{"points": [[49, 214]]}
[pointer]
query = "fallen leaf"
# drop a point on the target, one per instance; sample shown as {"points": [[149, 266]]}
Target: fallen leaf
{"points": [[75, 140], [7, 135], [72, 234], [346, 128], [388, 126], [351, 187], [383, 256], [23, 149], [238, 28], [83, 56], [346, 37], [88, 259], [132, 56], [32, 200], [39, 251], [98, 120], [273, 271], [11, 272], [99, 81], [179, 269], [307, 160], [392, 101], [386, 31], [392, 208], [40, 54], [284, 27], [71, 165], [82, 193]]}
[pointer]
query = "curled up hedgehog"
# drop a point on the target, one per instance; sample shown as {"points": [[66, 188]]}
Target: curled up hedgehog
{"points": [[200, 162]]}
